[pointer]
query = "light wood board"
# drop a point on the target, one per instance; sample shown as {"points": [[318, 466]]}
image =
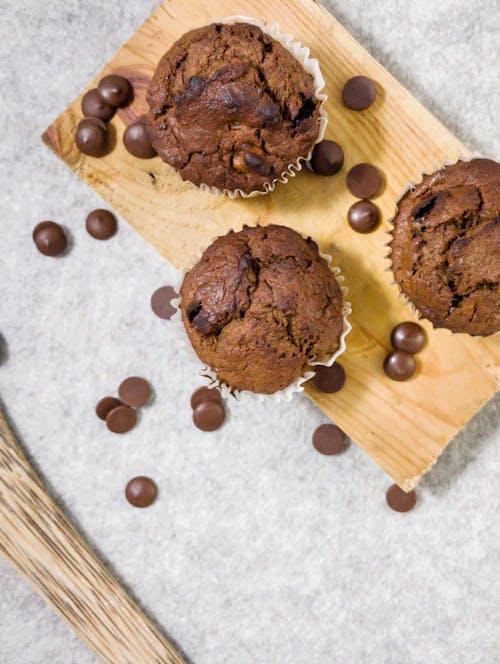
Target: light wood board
{"points": [[403, 426]]}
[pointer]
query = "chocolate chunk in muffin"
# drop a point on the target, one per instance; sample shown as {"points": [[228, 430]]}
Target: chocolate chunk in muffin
{"points": [[230, 107], [259, 304], [446, 247]]}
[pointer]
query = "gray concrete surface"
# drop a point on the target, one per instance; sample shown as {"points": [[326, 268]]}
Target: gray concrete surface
{"points": [[258, 549]]}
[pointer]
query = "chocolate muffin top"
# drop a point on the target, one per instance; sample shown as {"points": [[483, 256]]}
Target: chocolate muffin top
{"points": [[259, 304], [446, 247], [231, 108]]}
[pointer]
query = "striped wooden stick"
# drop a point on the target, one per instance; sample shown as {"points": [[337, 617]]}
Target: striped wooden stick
{"points": [[42, 545]]}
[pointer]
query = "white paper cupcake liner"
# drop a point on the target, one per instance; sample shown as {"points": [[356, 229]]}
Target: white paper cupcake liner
{"points": [[311, 66], [410, 187], [210, 376]]}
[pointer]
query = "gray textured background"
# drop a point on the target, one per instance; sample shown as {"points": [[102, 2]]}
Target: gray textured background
{"points": [[259, 549]]}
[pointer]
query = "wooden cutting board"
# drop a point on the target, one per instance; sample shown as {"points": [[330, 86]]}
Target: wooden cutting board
{"points": [[403, 426]]}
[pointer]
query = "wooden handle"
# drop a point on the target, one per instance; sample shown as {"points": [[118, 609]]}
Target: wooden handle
{"points": [[40, 542]]}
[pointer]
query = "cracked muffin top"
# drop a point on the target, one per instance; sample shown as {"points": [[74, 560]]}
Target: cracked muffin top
{"points": [[446, 247], [259, 304], [231, 108]]}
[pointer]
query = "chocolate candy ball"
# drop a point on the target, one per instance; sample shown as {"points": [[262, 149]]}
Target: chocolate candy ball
{"points": [[50, 238], [94, 106], [91, 137], [115, 90], [399, 365], [363, 216], [409, 337]]}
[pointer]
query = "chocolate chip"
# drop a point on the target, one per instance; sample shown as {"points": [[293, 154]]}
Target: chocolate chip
{"points": [[364, 180], [91, 137], [137, 140], [363, 216], [141, 491], [115, 90], [409, 337], [161, 302], [208, 415], [121, 419], [256, 163], [327, 158], [203, 394], [329, 379], [50, 238], [105, 406], [329, 439], [359, 93], [268, 112], [94, 106], [399, 500], [101, 224], [134, 391], [399, 365]]}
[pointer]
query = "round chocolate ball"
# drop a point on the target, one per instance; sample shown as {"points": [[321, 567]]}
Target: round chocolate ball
{"points": [[141, 491], [399, 365], [364, 180], [137, 140], [49, 238], [209, 415], [409, 337], [399, 500], [327, 158], [115, 90], [121, 419], [91, 137], [329, 379], [363, 216], [329, 439], [359, 93], [94, 106], [101, 224]]}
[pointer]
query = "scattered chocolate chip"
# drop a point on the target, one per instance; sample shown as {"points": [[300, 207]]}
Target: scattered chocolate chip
{"points": [[208, 415], [105, 406], [203, 394], [363, 216], [409, 337], [399, 500], [364, 180], [137, 140], [50, 238], [161, 302], [134, 391], [94, 106], [359, 93], [141, 491], [399, 365], [329, 439], [115, 90], [91, 137], [327, 158], [121, 419], [101, 224], [329, 379]]}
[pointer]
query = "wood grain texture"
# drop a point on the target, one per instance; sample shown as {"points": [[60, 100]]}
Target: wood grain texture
{"points": [[39, 541], [403, 426]]}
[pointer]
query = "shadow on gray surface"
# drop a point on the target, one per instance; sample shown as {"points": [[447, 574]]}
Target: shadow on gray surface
{"points": [[465, 447], [4, 350]]}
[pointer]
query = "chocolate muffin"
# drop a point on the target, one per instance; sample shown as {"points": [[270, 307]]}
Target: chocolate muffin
{"points": [[231, 108], [446, 247], [259, 304]]}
